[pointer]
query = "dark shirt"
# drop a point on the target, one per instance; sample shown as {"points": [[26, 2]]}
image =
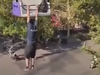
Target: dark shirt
{"points": [[32, 33]]}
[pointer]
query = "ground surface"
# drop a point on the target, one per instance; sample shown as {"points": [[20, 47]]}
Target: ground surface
{"points": [[68, 61]]}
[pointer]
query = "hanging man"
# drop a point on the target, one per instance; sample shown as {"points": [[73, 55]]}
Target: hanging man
{"points": [[30, 50]]}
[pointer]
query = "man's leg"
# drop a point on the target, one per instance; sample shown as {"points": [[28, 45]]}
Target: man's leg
{"points": [[27, 57], [26, 64], [33, 57], [32, 62]]}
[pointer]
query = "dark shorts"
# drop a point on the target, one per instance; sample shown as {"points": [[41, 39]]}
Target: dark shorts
{"points": [[30, 51]]}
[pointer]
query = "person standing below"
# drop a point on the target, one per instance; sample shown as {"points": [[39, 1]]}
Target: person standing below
{"points": [[30, 50]]}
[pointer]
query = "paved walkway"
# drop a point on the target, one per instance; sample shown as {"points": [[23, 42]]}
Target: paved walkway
{"points": [[56, 62]]}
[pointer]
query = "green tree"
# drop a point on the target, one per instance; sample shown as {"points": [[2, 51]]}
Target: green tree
{"points": [[14, 26], [10, 25], [67, 11], [45, 28], [88, 11]]}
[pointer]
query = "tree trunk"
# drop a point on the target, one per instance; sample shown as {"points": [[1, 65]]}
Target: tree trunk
{"points": [[68, 31], [68, 11]]}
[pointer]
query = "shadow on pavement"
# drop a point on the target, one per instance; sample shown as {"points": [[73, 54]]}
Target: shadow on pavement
{"points": [[72, 44], [21, 56], [52, 49]]}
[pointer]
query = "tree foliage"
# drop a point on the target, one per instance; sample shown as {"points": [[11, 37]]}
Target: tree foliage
{"points": [[9, 24], [45, 28], [14, 26], [88, 12]]}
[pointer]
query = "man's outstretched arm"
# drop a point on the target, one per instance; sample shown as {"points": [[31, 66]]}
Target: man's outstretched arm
{"points": [[36, 15], [28, 13]]}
